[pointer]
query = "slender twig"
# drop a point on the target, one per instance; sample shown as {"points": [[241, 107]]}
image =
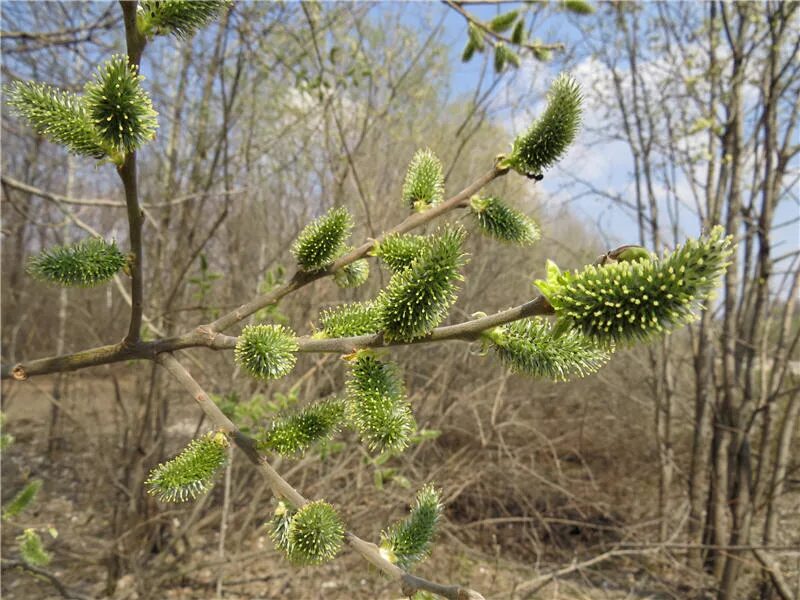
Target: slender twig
{"points": [[282, 488], [496, 36], [105, 203], [127, 173]]}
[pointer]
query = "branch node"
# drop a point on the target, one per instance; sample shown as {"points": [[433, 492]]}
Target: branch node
{"points": [[19, 373]]}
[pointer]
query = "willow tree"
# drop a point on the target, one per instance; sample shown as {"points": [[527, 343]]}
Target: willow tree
{"points": [[570, 329]]}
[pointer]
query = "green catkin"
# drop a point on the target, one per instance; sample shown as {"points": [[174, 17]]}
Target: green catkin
{"points": [[633, 301], [376, 403], [323, 240], [22, 500], [424, 181], [278, 527], [59, 116], [529, 347], [352, 275], [498, 220], [408, 542], [266, 351], [418, 298], [87, 263], [549, 137], [192, 472], [398, 250], [315, 534], [347, 320], [119, 107], [32, 550], [181, 18], [294, 434]]}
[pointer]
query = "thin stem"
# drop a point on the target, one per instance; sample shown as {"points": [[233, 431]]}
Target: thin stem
{"points": [[127, 173], [282, 488]]}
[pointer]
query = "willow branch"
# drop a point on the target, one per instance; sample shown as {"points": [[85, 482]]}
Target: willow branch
{"points": [[282, 488], [467, 331], [496, 36], [302, 278], [208, 335]]}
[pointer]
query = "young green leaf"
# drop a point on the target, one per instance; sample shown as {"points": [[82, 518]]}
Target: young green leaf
{"points": [[408, 542], [22, 500], [181, 18], [475, 36], [424, 182], [87, 263], [192, 472], [550, 135], [498, 220], [503, 22], [580, 7], [529, 347], [468, 52], [633, 301], [59, 116], [347, 320], [266, 351], [119, 107], [315, 535], [323, 240], [418, 298], [32, 550], [352, 275], [500, 56], [518, 35], [377, 404], [294, 434]]}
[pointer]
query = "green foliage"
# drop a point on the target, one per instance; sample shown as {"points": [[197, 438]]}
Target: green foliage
{"points": [[550, 135], [579, 7], [418, 298], [119, 107], [503, 55], [87, 263], [181, 18], [266, 351], [311, 535], [347, 320], [22, 500], [352, 275], [529, 347], [408, 542], [294, 434], [498, 220], [399, 250], [192, 472], [322, 241], [32, 550], [424, 182], [59, 116], [377, 404], [633, 301]]}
